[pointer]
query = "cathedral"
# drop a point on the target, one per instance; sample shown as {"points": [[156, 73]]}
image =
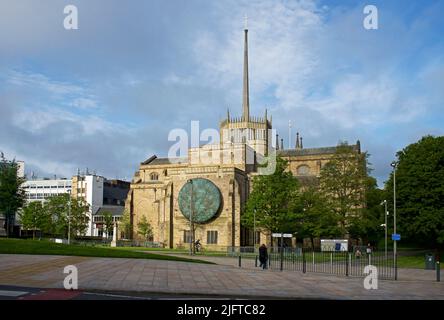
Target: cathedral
{"points": [[207, 190]]}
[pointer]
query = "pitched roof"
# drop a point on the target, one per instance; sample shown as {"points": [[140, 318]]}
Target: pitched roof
{"points": [[311, 151], [114, 210], [154, 160]]}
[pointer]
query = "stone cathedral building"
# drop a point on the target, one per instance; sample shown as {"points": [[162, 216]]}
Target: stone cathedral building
{"points": [[208, 188]]}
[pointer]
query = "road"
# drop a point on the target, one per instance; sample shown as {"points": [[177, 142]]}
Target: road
{"points": [[30, 293]]}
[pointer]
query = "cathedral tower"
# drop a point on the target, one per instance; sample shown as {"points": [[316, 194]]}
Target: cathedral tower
{"points": [[247, 129]]}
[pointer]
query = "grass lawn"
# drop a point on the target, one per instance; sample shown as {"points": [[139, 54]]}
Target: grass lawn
{"points": [[19, 246]]}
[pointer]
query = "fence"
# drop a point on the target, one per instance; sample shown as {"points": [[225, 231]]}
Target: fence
{"points": [[137, 243], [330, 262]]}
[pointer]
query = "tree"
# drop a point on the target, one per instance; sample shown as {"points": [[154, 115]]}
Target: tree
{"points": [[61, 216], [12, 195], [420, 192], [343, 181], [273, 200], [367, 226], [125, 224], [145, 229], [33, 217], [315, 218], [108, 222]]}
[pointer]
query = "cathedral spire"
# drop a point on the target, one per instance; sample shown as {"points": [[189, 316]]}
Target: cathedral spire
{"points": [[298, 146], [245, 92]]}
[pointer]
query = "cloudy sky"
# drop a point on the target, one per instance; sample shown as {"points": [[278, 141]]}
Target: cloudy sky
{"points": [[105, 96]]}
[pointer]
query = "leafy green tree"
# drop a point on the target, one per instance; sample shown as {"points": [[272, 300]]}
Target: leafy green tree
{"points": [[125, 224], [367, 226], [343, 181], [12, 195], [145, 229], [315, 218], [420, 192], [60, 215], [273, 201], [108, 222], [33, 217]]}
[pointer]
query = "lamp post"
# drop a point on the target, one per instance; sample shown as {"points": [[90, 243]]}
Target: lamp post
{"points": [[254, 230], [394, 164], [69, 216], [385, 224], [191, 219]]}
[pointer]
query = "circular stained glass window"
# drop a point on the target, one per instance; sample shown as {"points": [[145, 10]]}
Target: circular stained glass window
{"points": [[200, 197]]}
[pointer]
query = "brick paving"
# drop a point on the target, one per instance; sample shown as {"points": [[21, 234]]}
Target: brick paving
{"points": [[226, 278]]}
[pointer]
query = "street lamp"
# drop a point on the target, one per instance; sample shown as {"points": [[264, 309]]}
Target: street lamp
{"points": [[191, 219], [254, 230], [394, 164], [69, 216], [385, 224]]}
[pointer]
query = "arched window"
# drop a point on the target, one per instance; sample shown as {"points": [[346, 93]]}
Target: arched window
{"points": [[154, 176], [303, 170]]}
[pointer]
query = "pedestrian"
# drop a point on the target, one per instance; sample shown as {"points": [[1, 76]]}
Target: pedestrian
{"points": [[197, 244], [358, 254], [263, 256], [369, 249]]}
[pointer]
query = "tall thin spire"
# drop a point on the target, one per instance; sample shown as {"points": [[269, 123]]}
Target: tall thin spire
{"points": [[298, 146], [245, 93]]}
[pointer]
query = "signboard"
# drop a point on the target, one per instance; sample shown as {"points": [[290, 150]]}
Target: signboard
{"points": [[334, 244], [396, 237], [286, 235]]}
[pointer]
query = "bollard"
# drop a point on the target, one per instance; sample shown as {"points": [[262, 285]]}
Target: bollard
{"points": [[255, 262], [240, 263], [438, 272], [303, 262]]}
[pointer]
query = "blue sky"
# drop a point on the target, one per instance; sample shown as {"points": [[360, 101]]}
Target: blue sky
{"points": [[106, 96]]}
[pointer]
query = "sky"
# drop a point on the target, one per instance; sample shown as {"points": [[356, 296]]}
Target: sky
{"points": [[106, 96]]}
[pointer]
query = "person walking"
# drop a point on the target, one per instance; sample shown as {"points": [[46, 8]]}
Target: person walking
{"points": [[263, 256], [197, 244], [369, 249], [358, 254]]}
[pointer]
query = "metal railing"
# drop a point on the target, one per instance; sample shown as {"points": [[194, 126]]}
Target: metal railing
{"points": [[330, 262]]}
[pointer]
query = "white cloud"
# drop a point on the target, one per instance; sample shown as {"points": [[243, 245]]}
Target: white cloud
{"points": [[292, 68], [84, 103], [40, 81]]}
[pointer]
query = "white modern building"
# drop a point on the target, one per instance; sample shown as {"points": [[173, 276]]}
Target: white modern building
{"points": [[20, 169], [42, 189], [102, 195]]}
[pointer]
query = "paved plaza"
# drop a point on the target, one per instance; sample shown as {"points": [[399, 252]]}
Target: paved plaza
{"points": [[224, 278]]}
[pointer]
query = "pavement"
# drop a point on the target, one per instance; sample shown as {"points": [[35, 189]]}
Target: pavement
{"points": [[225, 279]]}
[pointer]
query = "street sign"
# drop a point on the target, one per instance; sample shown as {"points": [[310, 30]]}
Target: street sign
{"points": [[396, 237], [285, 235]]}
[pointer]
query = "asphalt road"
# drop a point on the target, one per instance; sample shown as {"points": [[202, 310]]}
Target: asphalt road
{"points": [[29, 293]]}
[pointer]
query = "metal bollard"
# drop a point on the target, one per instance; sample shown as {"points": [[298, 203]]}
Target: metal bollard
{"points": [[240, 262], [255, 262], [438, 271], [304, 267]]}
